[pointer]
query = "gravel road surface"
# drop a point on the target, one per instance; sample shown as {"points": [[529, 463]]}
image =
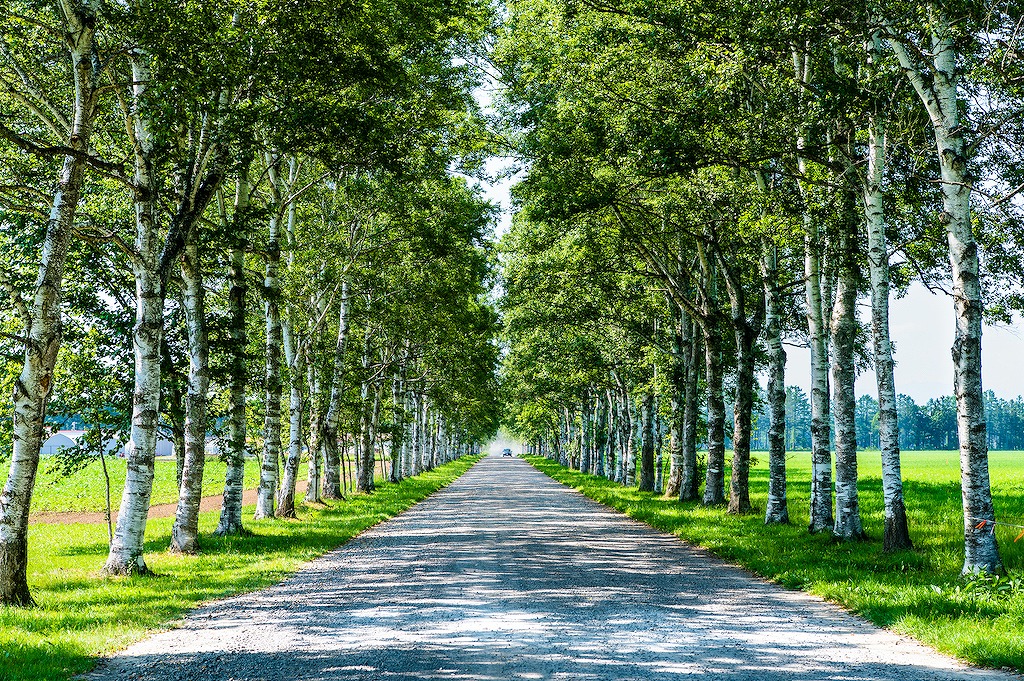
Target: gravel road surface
{"points": [[507, 574]]}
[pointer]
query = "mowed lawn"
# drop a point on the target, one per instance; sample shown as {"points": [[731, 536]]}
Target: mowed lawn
{"points": [[917, 592], [81, 614], [86, 490]]}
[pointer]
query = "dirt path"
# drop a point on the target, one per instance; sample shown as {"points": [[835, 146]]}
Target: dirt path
{"points": [[211, 503], [507, 574]]}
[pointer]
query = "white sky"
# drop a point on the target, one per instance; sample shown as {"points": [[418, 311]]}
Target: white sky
{"points": [[922, 332]]}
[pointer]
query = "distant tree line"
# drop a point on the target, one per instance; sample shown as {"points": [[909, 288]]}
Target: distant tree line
{"points": [[931, 425]]}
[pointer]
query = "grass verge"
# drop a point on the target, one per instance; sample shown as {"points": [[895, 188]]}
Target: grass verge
{"points": [[81, 614], [917, 593]]}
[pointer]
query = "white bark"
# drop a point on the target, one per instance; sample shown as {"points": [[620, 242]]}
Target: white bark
{"points": [[365, 457], [416, 447], [127, 547], [939, 94], [316, 421], [777, 509], [646, 481], [848, 524], [43, 322], [398, 432], [332, 462], [234, 477], [821, 519], [896, 533], [267, 491], [185, 532], [295, 355], [296, 409]]}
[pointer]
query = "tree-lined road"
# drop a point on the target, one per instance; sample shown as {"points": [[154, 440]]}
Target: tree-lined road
{"points": [[507, 574]]}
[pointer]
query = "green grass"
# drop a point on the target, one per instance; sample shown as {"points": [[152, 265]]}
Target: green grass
{"points": [[85, 490], [918, 592], [81, 614]]}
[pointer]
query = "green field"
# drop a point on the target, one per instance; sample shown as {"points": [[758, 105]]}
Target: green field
{"points": [[85, 490], [918, 592], [81, 614]]}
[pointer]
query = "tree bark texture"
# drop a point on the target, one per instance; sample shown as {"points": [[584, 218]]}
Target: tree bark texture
{"points": [[940, 99], [896, 534], [295, 355], [127, 547], [745, 333], [714, 483], [332, 461], [43, 331], [821, 519], [185, 532], [677, 388], [690, 487], [848, 525], [234, 455], [646, 482], [267, 492], [777, 507]]}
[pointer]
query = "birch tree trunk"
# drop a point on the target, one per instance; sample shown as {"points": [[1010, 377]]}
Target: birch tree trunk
{"points": [[372, 434], [777, 507], [896, 533], [427, 436], [714, 483], [417, 434], [316, 421], [566, 438], [600, 435], [646, 482], [397, 434], [185, 532], [332, 462], [365, 456], [821, 453], [677, 381], [295, 344], [411, 433], [43, 330], [659, 463], [848, 524], [234, 476], [939, 94], [434, 435], [629, 440], [585, 427], [821, 519], [613, 436], [295, 357], [126, 549], [690, 487], [267, 492], [745, 332]]}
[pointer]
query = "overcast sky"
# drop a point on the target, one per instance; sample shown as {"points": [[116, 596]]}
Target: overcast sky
{"points": [[922, 333]]}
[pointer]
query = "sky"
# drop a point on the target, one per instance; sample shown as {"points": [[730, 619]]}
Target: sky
{"points": [[922, 332]]}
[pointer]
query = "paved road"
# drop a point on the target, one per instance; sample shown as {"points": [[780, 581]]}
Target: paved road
{"points": [[507, 574]]}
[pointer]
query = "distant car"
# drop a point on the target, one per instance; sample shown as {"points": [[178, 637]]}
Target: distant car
{"points": [[506, 452]]}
